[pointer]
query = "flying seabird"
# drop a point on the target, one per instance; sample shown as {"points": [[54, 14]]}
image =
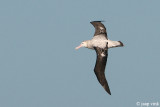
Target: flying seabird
{"points": [[100, 43]]}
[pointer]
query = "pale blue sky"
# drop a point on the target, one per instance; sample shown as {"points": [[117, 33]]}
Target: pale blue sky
{"points": [[39, 66]]}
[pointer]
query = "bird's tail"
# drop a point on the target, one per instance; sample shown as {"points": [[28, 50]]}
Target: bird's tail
{"points": [[113, 44], [120, 43]]}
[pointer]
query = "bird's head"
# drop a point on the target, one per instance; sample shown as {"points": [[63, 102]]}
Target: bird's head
{"points": [[83, 44]]}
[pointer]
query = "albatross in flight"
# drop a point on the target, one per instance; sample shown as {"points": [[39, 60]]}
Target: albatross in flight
{"points": [[100, 43]]}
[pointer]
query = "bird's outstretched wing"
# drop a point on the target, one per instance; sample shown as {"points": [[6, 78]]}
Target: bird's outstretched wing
{"points": [[99, 69], [99, 28]]}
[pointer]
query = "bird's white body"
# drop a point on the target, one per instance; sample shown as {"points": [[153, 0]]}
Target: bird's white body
{"points": [[101, 41]]}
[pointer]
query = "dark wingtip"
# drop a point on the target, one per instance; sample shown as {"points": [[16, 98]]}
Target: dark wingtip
{"points": [[98, 21], [108, 91]]}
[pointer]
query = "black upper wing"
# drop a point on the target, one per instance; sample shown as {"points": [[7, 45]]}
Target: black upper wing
{"points": [[99, 28], [99, 69]]}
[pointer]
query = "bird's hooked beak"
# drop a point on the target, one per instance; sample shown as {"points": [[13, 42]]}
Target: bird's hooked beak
{"points": [[78, 47]]}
